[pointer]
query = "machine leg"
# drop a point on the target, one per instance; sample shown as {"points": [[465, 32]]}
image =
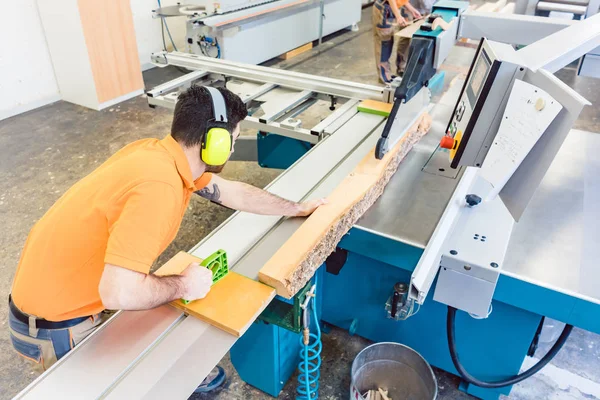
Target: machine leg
{"points": [[266, 356]]}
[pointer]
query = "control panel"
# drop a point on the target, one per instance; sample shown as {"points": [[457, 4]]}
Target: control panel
{"points": [[469, 105], [480, 106]]}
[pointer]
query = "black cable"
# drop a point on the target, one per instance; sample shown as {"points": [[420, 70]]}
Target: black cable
{"points": [[162, 32], [450, 323]]}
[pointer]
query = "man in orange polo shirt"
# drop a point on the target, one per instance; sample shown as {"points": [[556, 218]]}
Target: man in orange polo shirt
{"points": [[94, 248]]}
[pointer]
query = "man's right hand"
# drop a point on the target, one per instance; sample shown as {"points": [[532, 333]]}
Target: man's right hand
{"points": [[197, 281]]}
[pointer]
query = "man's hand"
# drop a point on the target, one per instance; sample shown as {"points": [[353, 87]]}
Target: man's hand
{"points": [[401, 20], [413, 11], [308, 207], [197, 281]]}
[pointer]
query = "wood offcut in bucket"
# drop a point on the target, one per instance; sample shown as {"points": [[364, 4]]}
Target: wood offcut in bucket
{"points": [[394, 369]]}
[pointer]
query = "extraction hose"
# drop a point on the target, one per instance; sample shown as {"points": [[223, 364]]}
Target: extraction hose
{"points": [[310, 356], [450, 323]]}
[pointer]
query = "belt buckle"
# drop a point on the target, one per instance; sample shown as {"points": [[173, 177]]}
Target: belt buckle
{"points": [[33, 329]]}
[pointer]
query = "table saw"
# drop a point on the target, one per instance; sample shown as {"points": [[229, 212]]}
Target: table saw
{"points": [[444, 229]]}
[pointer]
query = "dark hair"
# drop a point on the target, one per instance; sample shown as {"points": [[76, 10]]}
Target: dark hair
{"points": [[194, 109]]}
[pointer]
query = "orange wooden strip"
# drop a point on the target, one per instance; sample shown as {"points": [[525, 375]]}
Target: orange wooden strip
{"points": [[232, 304], [296, 51], [375, 107], [112, 47]]}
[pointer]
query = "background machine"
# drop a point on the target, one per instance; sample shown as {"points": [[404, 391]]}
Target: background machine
{"points": [[254, 31], [438, 263]]}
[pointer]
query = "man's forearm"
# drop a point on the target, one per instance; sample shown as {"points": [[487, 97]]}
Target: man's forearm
{"points": [[122, 289], [244, 197], [158, 290]]}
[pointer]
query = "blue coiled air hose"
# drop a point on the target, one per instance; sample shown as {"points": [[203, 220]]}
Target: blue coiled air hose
{"points": [[309, 369]]}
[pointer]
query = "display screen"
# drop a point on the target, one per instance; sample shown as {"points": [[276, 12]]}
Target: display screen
{"points": [[478, 76]]}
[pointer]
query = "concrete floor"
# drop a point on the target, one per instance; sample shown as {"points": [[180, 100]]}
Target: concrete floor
{"points": [[45, 151]]}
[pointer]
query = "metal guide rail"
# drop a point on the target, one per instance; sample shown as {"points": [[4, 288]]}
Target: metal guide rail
{"points": [[285, 94]]}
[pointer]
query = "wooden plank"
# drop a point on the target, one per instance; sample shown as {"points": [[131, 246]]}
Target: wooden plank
{"points": [[375, 107], [112, 48], [232, 304], [408, 31], [296, 51], [293, 265]]}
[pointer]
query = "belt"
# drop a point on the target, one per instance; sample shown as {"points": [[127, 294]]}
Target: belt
{"points": [[41, 323]]}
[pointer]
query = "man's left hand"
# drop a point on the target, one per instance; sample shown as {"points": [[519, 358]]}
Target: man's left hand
{"points": [[308, 207], [416, 14]]}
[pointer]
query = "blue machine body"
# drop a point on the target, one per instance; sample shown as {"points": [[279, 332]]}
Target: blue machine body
{"points": [[491, 349]]}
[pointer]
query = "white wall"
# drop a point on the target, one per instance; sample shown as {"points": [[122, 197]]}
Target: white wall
{"points": [[26, 74], [147, 29]]}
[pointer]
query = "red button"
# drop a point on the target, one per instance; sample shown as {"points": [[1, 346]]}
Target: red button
{"points": [[447, 142]]}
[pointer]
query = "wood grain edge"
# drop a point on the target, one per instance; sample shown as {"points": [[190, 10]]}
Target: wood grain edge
{"points": [[289, 278]]}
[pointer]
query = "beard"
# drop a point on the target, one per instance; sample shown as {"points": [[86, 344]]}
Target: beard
{"points": [[215, 169]]}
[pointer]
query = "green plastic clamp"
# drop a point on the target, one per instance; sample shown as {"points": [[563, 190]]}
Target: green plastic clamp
{"points": [[217, 264]]}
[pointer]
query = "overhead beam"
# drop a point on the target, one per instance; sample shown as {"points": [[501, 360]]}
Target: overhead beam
{"points": [[283, 78]]}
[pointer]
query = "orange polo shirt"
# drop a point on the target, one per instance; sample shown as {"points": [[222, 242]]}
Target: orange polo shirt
{"points": [[124, 213], [400, 3]]}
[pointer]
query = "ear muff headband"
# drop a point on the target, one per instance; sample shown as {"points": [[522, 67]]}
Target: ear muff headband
{"points": [[218, 101], [216, 143]]}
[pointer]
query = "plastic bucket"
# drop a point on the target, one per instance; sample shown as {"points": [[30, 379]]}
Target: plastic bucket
{"points": [[400, 370]]}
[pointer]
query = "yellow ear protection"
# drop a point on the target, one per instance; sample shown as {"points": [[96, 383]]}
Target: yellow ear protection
{"points": [[216, 142]]}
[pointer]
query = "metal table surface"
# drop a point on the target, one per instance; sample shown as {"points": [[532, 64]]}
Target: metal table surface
{"points": [[555, 243], [552, 246], [413, 201]]}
